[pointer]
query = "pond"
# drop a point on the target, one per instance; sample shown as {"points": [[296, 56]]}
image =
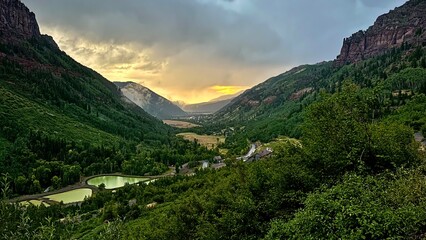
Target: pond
{"points": [[72, 196], [34, 202], [112, 182]]}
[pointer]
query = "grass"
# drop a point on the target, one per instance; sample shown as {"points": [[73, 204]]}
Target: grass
{"points": [[280, 142], [206, 140], [180, 124], [27, 114]]}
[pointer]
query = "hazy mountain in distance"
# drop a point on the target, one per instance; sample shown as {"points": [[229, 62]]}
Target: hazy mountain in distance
{"points": [[150, 101], [211, 106]]}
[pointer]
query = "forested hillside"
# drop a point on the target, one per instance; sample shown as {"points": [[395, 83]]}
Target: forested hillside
{"points": [[60, 119], [276, 106]]}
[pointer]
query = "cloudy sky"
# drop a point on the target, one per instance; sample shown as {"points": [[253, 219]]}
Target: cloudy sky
{"points": [[196, 50]]}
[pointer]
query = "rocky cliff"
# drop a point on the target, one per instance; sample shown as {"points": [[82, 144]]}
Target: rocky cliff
{"points": [[150, 101], [405, 24], [17, 21]]}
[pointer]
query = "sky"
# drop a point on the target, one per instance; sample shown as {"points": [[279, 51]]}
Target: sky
{"points": [[197, 50]]}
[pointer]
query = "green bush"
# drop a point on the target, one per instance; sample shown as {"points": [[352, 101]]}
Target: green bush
{"points": [[389, 207]]}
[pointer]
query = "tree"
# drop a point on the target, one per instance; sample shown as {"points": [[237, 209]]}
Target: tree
{"points": [[101, 187], [371, 207], [56, 182], [21, 184], [42, 173], [335, 132], [35, 186], [393, 146], [340, 135]]}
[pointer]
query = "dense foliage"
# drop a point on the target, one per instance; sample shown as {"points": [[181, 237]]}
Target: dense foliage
{"points": [[367, 187]]}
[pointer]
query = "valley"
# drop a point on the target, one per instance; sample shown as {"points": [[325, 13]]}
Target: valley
{"points": [[331, 150]]}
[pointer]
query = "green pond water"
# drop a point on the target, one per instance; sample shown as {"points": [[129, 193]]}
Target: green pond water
{"points": [[112, 182], [72, 196], [34, 202]]}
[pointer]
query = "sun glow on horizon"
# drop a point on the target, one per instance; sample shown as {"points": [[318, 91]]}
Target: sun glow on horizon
{"points": [[228, 90], [177, 81]]}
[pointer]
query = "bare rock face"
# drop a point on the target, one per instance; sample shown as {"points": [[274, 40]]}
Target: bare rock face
{"points": [[405, 24], [16, 20]]}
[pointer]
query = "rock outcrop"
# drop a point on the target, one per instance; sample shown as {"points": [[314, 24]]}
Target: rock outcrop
{"points": [[405, 24], [150, 101], [17, 21]]}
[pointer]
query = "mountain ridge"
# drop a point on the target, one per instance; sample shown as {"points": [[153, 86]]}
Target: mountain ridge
{"points": [[276, 106], [283, 87], [17, 19], [151, 102], [403, 25], [34, 68], [212, 106]]}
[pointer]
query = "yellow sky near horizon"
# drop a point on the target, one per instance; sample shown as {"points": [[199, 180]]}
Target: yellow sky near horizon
{"points": [[127, 62], [171, 77]]}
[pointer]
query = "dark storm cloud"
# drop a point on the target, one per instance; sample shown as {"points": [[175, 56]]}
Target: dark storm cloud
{"points": [[170, 26], [254, 33]]}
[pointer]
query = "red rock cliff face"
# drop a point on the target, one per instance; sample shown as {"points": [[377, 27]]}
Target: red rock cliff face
{"points": [[405, 24], [17, 21]]}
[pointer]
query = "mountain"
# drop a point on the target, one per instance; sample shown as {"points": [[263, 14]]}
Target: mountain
{"points": [[206, 107], [150, 101], [60, 120], [275, 107], [17, 21], [404, 25], [226, 97], [35, 72], [59, 115], [291, 85], [211, 106]]}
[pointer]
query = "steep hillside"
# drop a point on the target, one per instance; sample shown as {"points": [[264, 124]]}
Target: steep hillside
{"points": [[60, 120], [276, 106], [211, 106], [404, 27], [150, 101], [291, 85], [207, 107], [35, 70]]}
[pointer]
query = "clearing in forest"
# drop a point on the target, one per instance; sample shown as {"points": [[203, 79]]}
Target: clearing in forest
{"points": [[209, 141], [180, 124]]}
